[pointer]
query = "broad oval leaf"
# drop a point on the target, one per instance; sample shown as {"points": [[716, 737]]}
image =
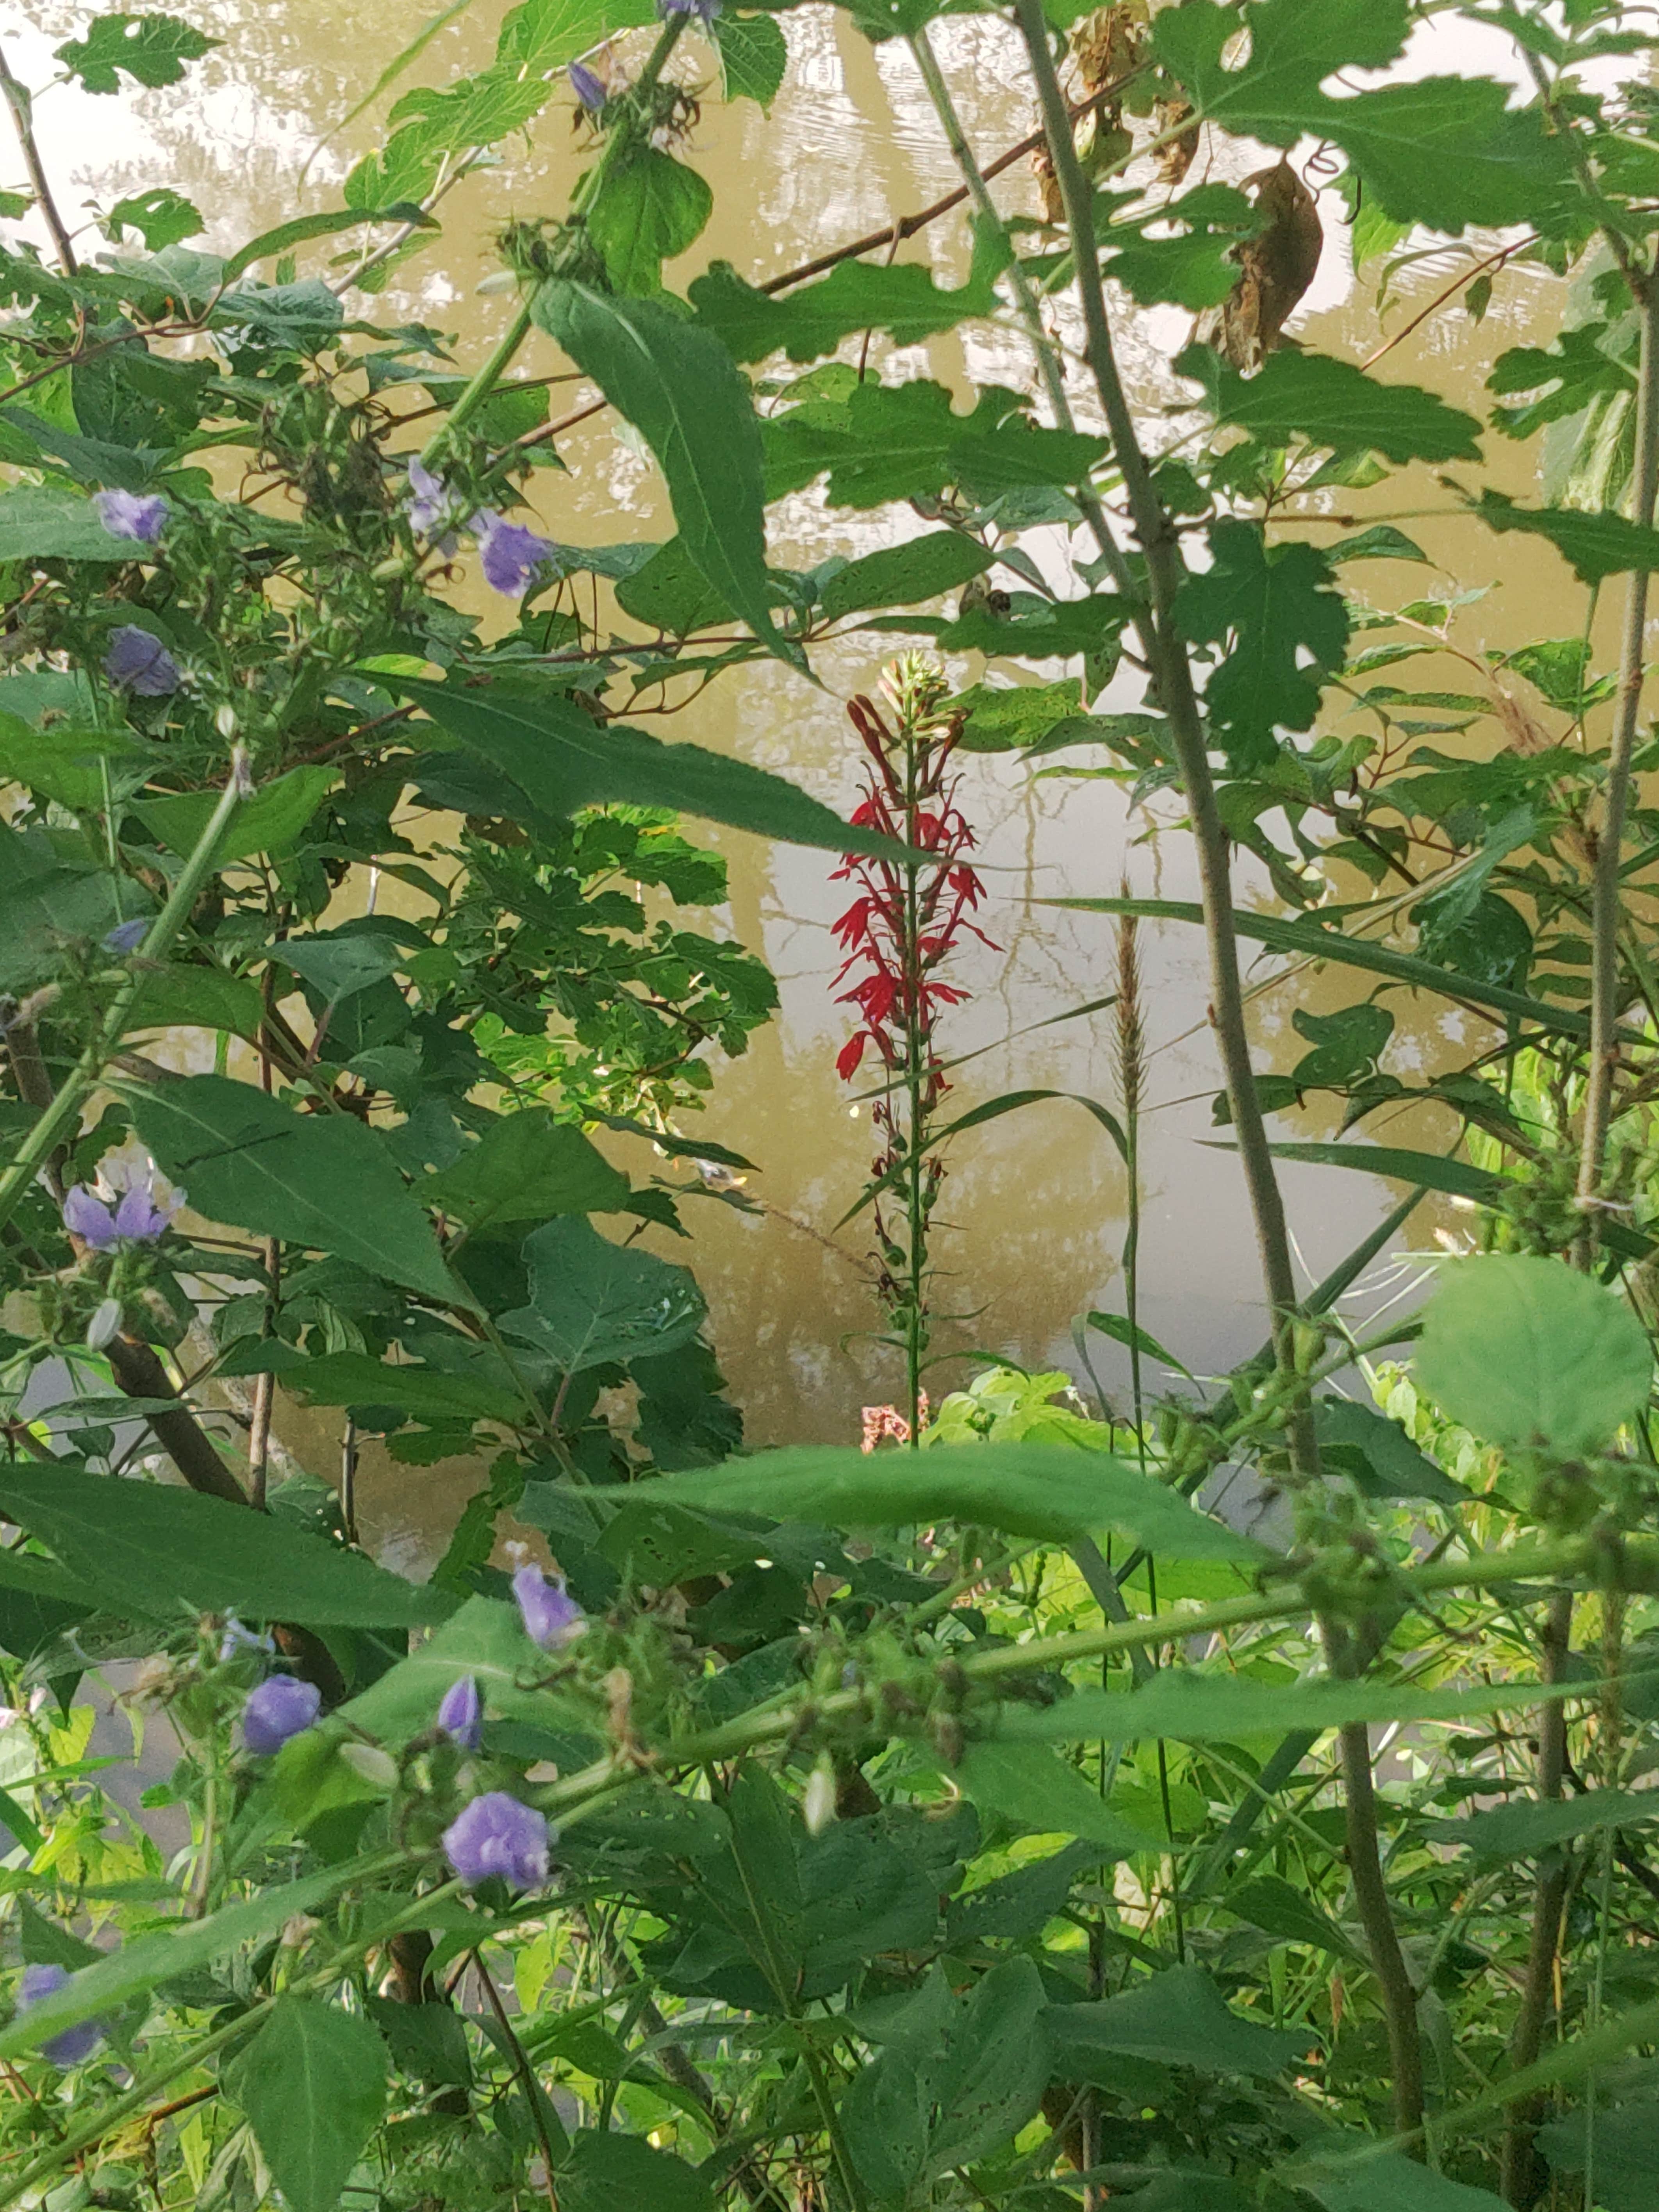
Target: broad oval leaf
{"points": [[592, 1302], [1178, 2018], [1530, 1354]]}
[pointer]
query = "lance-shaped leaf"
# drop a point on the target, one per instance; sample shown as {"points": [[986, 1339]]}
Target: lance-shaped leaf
{"points": [[1594, 545], [313, 2083], [899, 575], [857, 295], [1027, 1490], [167, 1552], [322, 1181], [1525, 1829], [561, 759], [1332, 403], [679, 388], [1178, 2019]]}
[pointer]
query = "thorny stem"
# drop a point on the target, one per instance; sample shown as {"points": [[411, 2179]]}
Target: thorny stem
{"points": [[1172, 677], [16, 97], [1609, 847]]}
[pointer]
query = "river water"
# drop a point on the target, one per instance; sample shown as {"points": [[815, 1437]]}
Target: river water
{"points": [[1035, 1204]]}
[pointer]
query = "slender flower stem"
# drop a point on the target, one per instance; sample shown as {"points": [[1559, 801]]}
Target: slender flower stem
{"points": [[1173, 677], [1609, 847], [42, 1140]]}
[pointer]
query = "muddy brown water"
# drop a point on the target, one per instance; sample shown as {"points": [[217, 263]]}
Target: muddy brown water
{"points": [[1033, 1212]]}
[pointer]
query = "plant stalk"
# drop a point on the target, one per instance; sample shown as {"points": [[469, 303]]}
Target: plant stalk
{"points": [[1172, 677], [17, 97], [1609, 847]]}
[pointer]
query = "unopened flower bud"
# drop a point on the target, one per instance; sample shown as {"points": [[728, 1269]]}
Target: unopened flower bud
{"points": [[298, 1929], [104, 1324], [224, 720], [373, 1764], [819, 1807]]}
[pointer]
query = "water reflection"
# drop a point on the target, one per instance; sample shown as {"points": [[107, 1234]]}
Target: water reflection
{"points": [[1035, 1204]]}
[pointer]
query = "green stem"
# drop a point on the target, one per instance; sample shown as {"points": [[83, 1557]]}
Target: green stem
{"points": [[61, 1114], [486, 379], [1172, 676], [1610, 846]]}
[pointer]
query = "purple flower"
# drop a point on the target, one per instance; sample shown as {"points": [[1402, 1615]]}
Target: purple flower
{"points": [[127, 936], [282, 1707], [141, 516], [588, 87], [131, 1216], [496, 1834], [138, 660], [511, 554], [460, 1715], [551, 1617], [237, 1637], [428, 507], [74, 2043]]}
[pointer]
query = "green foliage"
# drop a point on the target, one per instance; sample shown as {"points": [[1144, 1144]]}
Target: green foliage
{"points": [[313, 2084]]}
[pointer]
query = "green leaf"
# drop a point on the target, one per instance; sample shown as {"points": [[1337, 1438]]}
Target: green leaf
{"points": [[1447, 151], [564, 761], [427, 1393], [1178, 2018], [184, 996], [485, 1639], [526, 1167], [1525, 1829], [1027, 1490], [426, 2040], [183, 1949], [1335, 404], [313, 2083], [304, 227], [41, 915], [68, 765], [670, 592], [609, 2173], [1594, 545], [1309, 940], [339, 965], [1358, 1440], [46, 522], [1198, 268], [1277, 1909], [957, 2080], [648, 208], [754, 54], [1130, 1334], [812, 320], [1193, 1708], [268, 823], [1270, 605], [1531, 1354], [1381, 542], [592, 1302], [1370, 2181], [1040, 1794], [152, 50], [162, 217], [899, 575], [322, 1181], [1627, 2151], [680, 389], [170, 1550]]}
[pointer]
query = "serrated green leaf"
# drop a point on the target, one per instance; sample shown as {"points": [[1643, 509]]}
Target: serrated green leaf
{"points": [[322, 1181], [1269, 605], [526, 1167], [648, 208], [268, 823], [152, 50], [592, 1302], [171, 1551], [485, 1639], [754, 54], [1178, 2018], [46, 522], [1334, 403], [1531, 1354], [1594, 545], [810, 321], [1027, 1490], [1524, 1829], [1040, 1794], [680, 389], [313, 2083]]}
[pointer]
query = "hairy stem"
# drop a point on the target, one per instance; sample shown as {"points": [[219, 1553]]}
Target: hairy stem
{"points": [[1172, 677], [1525, 2177], [1609, 847]]}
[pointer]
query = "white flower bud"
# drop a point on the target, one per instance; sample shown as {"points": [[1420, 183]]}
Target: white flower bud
{"points": [[375, 1766], [225, 721], [820, 1809], [104, 1324], [298, 1929]]}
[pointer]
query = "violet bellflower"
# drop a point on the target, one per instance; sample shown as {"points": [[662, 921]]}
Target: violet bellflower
{"points": [[551, 1616], [460, 1714], [133, 1217], [510, 554], [74, 2043], [281, 1707], [139, 662], [429, 507], [127, 936], [141, 516], [497, 1835], [588, 87]]}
